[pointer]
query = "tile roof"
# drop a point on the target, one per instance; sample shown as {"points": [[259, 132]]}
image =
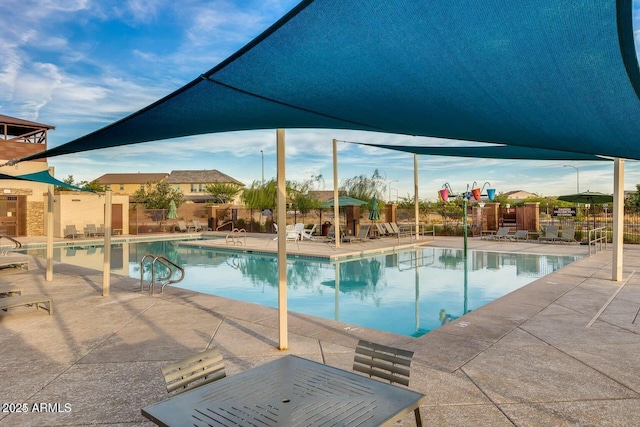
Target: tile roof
{"points": [[131, 178], [200, 177]]}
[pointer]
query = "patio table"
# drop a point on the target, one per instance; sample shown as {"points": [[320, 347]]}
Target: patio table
{"points": [[290, 391]]}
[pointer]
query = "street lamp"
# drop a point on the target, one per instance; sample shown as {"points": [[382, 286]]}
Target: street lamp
{"points": [[577, 176], [262, 155], [391, 182]]}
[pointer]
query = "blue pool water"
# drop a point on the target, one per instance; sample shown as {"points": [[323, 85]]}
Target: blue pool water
{"points": [[409, 293]]}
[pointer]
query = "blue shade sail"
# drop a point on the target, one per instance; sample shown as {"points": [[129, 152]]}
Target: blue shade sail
{"points": [[554, 75]]}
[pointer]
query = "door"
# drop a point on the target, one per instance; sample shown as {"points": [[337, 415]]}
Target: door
{"points": [[13, 215], [116, 218]]}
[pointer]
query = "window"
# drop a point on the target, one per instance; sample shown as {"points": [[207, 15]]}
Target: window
{"points": [[194, 188], [201, 186], [122, 186]]}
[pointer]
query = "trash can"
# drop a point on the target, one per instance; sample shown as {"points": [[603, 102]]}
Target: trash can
{"points": [[325, 228]]}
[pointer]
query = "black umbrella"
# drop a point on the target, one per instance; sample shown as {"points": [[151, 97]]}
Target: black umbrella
{"points": [[590, 197]]}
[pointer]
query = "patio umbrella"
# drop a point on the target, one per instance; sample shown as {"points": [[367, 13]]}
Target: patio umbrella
{"points": [[173, 212], [589, 197], [344, 201], [374, 213]]}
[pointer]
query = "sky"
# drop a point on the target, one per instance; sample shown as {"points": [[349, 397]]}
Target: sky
{"points": [[80, 65]]}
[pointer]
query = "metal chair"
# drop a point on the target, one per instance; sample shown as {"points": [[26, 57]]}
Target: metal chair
{"points": [[194, 371], [388, 363]]}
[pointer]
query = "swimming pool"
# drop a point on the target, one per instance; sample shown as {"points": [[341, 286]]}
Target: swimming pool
{"points": [[408, 293]]}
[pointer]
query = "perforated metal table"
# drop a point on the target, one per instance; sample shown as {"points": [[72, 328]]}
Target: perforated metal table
{"points": [[290, 391]]}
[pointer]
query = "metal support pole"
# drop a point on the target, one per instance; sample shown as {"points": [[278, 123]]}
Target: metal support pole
{"points": [[106, 267], [618, 218], [282, 243], [336, 207], [50, 204]]}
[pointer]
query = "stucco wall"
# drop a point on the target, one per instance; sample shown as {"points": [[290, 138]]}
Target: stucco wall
{"points": [[80, 209]]}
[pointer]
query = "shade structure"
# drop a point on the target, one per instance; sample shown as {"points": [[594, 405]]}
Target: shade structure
{"points": [[587, 197], [374, 212], [343, 201], [173, 211], [558, 76], [42, 177]]}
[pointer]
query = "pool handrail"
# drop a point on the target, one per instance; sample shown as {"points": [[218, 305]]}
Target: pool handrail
{"points": [[168, 264]]}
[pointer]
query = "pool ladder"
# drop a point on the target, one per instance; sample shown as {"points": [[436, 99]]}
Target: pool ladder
{"points": [[171, 266], [16, 244], [235, 235]]}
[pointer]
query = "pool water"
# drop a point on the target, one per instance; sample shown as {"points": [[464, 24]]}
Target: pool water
{"points": [[408, 293]]}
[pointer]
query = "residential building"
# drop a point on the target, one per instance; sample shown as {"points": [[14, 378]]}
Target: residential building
{"points": [[129, 183], [192, 183], [519, 195], [22, 203]]}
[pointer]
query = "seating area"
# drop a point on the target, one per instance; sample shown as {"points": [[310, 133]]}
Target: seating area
{"points": [[14, 301], [384, 362], [194, 371], [70, 232]]}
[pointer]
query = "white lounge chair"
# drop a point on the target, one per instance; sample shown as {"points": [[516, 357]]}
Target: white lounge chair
{"points": [[307, 233]]}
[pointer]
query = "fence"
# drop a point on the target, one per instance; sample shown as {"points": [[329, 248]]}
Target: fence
{"points": [[255, 221]]}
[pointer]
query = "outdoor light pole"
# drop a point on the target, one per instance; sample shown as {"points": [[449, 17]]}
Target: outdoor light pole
{"points": [[391, 182], [262, 155], [577, 176]]}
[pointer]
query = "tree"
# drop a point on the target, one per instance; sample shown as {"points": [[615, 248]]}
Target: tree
{"points": [[223, 192], [632, 203], [158, 196], [89, 186], [363, 188]]}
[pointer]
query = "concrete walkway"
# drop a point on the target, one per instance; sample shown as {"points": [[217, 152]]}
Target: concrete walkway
{"points": [[562, 351]]}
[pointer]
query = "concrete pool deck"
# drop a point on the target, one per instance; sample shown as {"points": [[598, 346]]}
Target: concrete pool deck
{"points": [[563, 350]]}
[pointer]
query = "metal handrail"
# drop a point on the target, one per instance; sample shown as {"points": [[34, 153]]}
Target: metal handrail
{"points": [[235, 235], [16, 244], [168, 264], [225, 224], [597, 238]]}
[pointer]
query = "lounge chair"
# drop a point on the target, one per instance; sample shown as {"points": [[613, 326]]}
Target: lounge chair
{"points": [[182, 226], [519, 235], [389, 229], [299, 228], [9, 291], [388, 363], [568, 234], [331, 235], [382, 231], [399, 231], [550, 234], [100, 230], [194, 371], [194, 226], [90, 230], [29, 300], [71, 232], [363, 235], [307, 233], [501, 234], [292, 234], [14, 260]]}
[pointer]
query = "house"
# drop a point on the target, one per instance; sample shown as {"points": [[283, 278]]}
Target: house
{"points": [[22, 203], [519, 195], [129, 183], [193, 183]]}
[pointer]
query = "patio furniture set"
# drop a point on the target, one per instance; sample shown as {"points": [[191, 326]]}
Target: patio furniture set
{"points": [[550, 233], [290, 391]]}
